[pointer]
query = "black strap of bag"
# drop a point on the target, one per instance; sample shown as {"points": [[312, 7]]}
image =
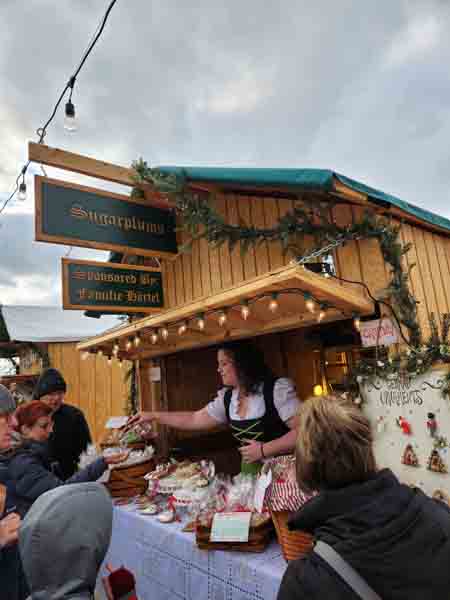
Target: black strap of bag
{"points": [[346, 571]]}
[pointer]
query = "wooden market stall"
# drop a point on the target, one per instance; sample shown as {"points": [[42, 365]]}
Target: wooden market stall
{"points": [[206, 288], [36, 337]]}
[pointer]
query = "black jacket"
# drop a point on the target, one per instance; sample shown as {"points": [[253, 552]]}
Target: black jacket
{"points": [[397, 539], [69, 439], [12, 579], [30, 469]]}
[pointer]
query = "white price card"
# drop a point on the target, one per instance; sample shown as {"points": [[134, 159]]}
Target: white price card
{"points": [[230, 527], [116, 422]]}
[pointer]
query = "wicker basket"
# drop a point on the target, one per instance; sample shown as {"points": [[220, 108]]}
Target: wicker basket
{"points": [[294, 544], [129, 480]]}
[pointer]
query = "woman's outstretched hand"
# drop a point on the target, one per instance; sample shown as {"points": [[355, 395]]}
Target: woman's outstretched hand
{"points": [[140, 417]]}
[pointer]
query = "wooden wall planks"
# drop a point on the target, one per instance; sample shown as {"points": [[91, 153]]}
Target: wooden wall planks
{"points": [[97, 388], [207, 270]]}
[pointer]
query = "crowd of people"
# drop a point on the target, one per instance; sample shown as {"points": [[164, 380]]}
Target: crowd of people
{"points": [[374, 536]]}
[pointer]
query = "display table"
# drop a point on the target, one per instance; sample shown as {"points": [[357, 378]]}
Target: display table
{"points": [[168, 565]]}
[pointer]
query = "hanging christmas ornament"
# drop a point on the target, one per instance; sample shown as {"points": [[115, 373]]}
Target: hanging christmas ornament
{"points": [[431, 424], [435, 463], [381, 424], [410, 457], [404, 425]]}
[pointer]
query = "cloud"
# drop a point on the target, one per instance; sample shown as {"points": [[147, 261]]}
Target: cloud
{"points": [[356, 87]]}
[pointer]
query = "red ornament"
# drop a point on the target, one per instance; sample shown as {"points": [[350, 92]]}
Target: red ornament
{"points": [[404, 425]]}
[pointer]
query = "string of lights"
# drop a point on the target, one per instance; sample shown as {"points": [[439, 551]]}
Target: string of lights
{"points": [[70, 124], [161, 333]]}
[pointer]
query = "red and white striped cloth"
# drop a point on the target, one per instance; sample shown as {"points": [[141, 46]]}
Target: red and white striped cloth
{"points": [[284, 492]]}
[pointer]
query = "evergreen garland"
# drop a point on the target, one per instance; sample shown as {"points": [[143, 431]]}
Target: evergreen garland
{"points": [[307, 218]]}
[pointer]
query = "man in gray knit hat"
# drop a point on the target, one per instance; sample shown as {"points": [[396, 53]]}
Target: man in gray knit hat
{"points": [[7, 408]]}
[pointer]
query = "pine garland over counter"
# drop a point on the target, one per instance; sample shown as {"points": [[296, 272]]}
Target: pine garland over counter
{"points": [[312, 219]]}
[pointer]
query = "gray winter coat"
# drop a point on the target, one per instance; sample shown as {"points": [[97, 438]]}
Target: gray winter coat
{"points": [[63, 541]]}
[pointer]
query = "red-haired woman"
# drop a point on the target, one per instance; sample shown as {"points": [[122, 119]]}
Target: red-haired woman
{"points": [[30, 468]]}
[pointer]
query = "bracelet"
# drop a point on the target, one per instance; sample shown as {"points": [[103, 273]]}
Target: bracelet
{"points": [[261, 447]]}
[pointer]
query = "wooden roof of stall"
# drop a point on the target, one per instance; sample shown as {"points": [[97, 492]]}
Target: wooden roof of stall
{"points": [[289, 283], [264, 181]]}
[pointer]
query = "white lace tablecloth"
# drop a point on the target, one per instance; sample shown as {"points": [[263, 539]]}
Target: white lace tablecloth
{"points": [[168, 565]]}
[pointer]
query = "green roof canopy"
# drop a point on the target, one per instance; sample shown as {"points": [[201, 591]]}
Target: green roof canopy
{"points": [[296, 179]]}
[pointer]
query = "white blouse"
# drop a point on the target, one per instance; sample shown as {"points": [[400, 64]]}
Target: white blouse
{"points": [[284, 397]]}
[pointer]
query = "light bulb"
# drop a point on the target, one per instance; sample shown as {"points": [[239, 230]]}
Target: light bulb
{"points": [[109, 360], [154, 337], [201, 322], [137, 340], [84, 355], [357, 322], [164, 333], [245, 311], [322, 314], [317, 390], [116, 348], [222, 318], [120, 363], [309, 303], [22, 195], [70, 122], [100, 352], [273, 304], [128, 344], [182, 328]]}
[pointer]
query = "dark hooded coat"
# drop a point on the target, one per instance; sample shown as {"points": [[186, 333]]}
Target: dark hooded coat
{"points": [[63, 541], [395, 537]]}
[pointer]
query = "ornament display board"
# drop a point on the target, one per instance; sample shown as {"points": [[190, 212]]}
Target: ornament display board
{"points": [[411, 425]]}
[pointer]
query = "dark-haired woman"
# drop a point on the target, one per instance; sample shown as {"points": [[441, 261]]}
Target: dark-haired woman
{"points": [[260, 408]]}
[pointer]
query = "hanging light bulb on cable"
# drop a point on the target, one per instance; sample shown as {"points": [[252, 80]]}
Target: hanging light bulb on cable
{"points": [[154, 337], [84, 355], [357, 321], [273, 304], [309, 302], [164, 333], [70, 122], [116, 348], [22, 194], [322, 313], [128, 344], [182, 328], [201, 322], [222, 318], [137, 340], [245, 310]]}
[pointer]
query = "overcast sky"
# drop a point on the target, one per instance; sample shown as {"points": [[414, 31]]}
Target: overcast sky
{"points": [[362, 88]]}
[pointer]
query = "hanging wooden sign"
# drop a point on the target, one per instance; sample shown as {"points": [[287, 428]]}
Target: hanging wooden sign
{"points": [[91, 285], [75, 215]]}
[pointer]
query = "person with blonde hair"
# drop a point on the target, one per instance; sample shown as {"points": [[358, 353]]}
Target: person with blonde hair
{"points": [[387, 536]]}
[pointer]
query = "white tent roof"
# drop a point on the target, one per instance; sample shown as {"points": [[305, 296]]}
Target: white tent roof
{"points": [[52, 324]]}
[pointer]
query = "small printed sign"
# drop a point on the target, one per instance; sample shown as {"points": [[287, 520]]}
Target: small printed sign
{"points": [[70, 214], [380, 332], [230, 527], [91, 285]]}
